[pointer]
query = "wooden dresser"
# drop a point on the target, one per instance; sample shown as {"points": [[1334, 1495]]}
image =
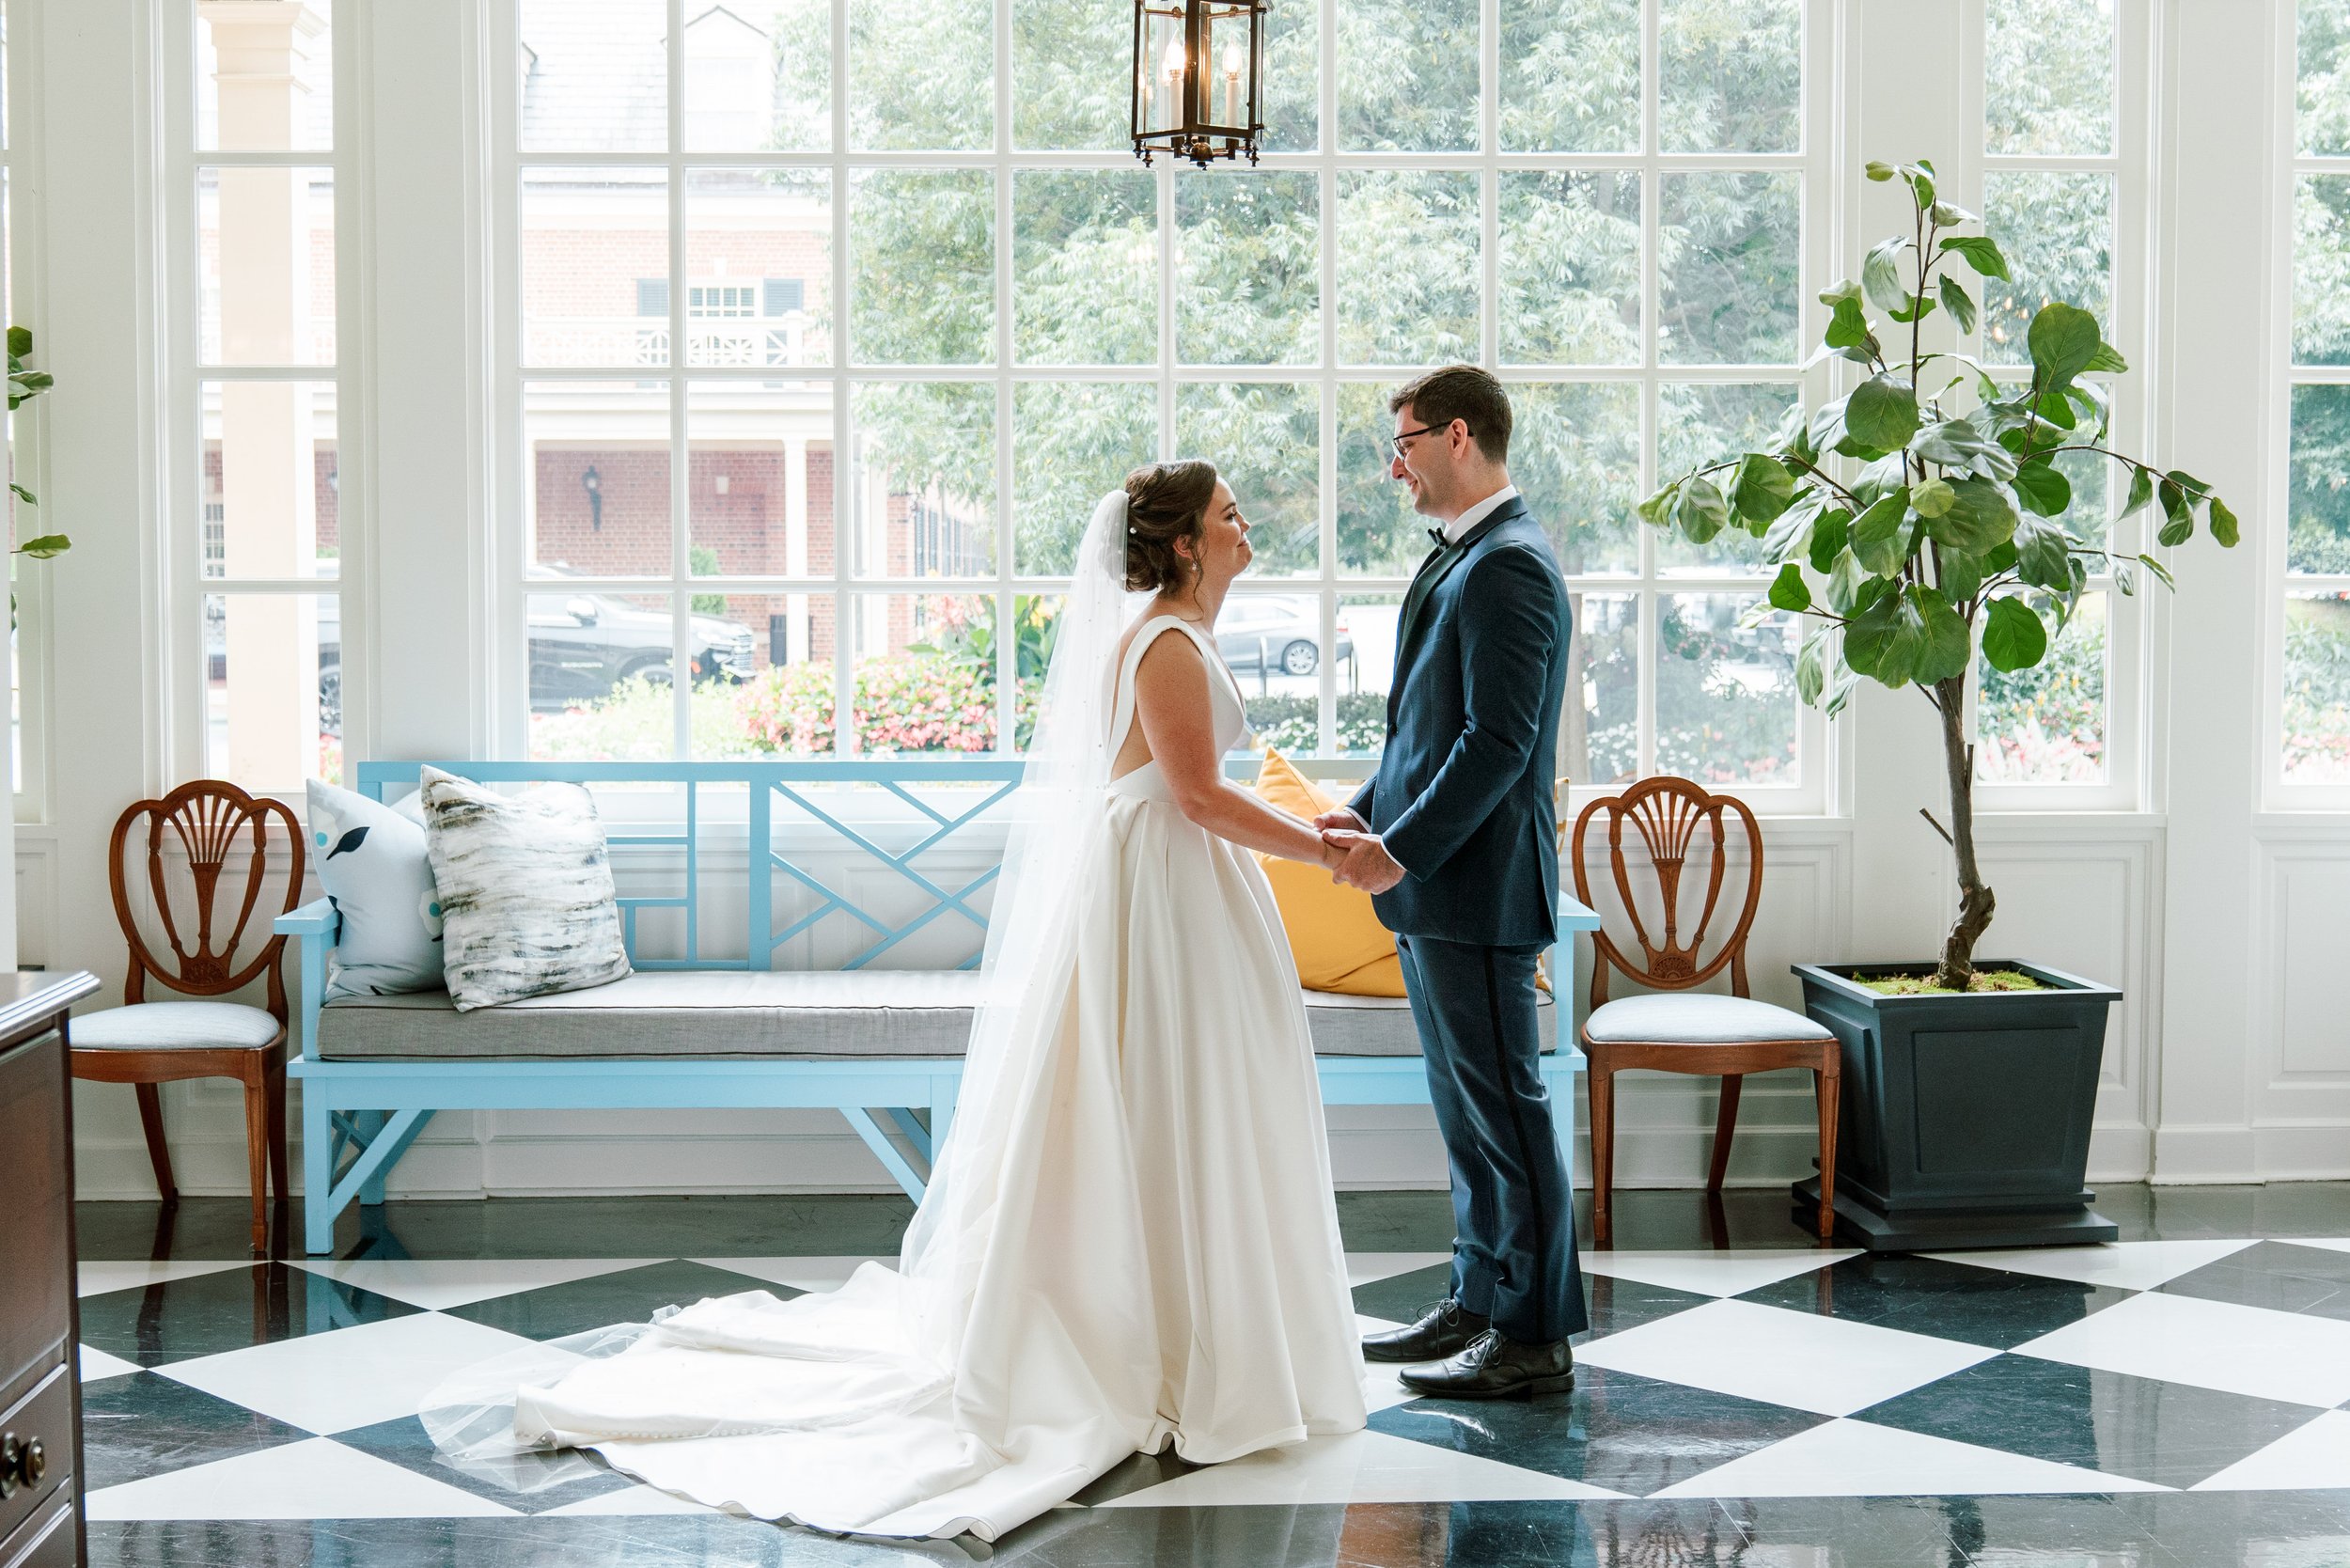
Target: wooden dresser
{"points": [[41, 1388]]}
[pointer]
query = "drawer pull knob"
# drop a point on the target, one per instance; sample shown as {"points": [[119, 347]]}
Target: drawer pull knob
{"points": [[22, 1464]]}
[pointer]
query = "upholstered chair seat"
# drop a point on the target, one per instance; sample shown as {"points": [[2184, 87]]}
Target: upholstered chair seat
{"points": [[175, 1025], [1697, 1019]]}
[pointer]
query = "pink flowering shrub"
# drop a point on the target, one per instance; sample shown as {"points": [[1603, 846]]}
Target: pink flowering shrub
{"points": [[903, 702]]}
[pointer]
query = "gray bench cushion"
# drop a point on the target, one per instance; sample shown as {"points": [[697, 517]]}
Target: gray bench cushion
{"points": [[804, 1014]]}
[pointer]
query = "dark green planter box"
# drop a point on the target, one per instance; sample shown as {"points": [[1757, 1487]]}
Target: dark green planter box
{"points": [[1965, 1119]]}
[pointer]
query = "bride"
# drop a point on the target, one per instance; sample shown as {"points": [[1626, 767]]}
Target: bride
{"points": [[1129, 1240]]}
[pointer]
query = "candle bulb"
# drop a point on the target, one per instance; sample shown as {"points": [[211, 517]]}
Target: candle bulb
{"points": [[1231, 83]]}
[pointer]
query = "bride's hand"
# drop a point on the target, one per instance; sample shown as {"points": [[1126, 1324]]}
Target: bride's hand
{"points": [[1335, 842], [1342, 819]]}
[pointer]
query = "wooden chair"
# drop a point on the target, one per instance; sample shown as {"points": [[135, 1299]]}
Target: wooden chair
{"points": [[147, 1044], [1705, 1032]]}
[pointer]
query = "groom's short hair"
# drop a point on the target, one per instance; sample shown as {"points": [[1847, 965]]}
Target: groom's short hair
{"points": [[1461, 392]]}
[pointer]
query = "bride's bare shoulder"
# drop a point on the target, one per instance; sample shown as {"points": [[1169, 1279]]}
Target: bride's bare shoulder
{"points": [[1161, 644]]}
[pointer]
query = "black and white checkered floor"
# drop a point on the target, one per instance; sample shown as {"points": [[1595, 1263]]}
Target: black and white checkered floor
{"points": [[2148, 1402]]}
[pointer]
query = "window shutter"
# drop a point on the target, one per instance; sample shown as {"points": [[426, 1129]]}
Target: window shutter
{"points": [[785, 295], [653, 296]]}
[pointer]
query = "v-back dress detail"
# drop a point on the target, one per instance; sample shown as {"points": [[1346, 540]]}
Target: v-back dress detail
{"points": [[1159, 1248]]}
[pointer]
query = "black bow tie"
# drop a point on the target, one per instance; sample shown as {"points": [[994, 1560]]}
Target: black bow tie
{"points": [[1438, 534]]}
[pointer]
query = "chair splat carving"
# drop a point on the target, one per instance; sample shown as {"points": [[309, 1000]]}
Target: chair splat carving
{"points": [[213, 824], [1666, 813]]}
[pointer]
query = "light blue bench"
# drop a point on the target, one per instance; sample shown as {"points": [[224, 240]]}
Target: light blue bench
{"points": [[696, 1032]]}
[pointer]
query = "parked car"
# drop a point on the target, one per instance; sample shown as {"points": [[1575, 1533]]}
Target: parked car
{"points": [[580, 647], [1277, 634]]}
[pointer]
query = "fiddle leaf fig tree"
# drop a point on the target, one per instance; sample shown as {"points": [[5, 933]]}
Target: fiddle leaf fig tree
{"points": [[1912, 532]]}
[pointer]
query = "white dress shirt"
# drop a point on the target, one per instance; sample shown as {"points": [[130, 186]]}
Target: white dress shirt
{"points": [[1456, 529]]}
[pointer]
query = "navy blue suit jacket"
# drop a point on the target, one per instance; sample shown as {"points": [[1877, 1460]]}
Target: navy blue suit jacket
{"points": [[1463, 794]]}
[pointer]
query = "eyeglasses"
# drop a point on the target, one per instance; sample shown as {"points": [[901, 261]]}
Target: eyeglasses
{"points": [[1396, 444]]}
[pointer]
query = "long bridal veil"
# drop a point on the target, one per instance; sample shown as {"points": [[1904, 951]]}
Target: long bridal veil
{"points": [[866, 1408]]}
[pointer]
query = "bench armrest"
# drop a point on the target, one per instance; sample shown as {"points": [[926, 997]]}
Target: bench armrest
{"points": [[314, 928]]}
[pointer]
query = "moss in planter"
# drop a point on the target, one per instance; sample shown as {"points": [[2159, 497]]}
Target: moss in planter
{"points": [[1922, 985]]}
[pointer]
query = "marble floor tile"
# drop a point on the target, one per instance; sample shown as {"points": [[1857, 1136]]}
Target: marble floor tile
{"points": [[1932, 1295], [1776, 1356], [1853, 1458], [145, 1424], [529, 1482], [317, 1478], [2314, 1457], [98, 1275], [437, 1284], [629, 1499], [1616, 1305], [97, 1364], [2134, 1265], [352, 1378], [1402, 1297], [1360, 1466], [1623, 1433], [2170, 1434], [1713, 1273], [1364, 1268], [799, 1274], [2211, 1344], [630, 1295], [2282, 1277], [221, 1310]]}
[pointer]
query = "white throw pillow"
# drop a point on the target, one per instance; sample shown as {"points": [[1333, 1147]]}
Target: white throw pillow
{"points": [[527, 903], [372, 862]]}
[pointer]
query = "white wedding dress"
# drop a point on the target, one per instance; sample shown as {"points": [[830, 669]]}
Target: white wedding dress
{"points": [[1130, 1241]]}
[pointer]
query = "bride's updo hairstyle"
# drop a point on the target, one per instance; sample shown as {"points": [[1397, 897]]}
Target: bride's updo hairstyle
{"points": [[1166, 502]]}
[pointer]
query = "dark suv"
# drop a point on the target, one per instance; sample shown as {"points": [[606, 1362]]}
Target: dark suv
{"points": [[580, 647]]}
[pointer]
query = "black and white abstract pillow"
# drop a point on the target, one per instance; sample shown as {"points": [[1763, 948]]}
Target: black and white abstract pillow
{"points": [[372, 862], [525, 890]]}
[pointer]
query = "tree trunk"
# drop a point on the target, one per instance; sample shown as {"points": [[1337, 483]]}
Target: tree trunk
{"points": [[1956, 971]]}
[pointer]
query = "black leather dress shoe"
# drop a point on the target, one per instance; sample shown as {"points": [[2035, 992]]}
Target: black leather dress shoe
{"points": [[1497, 1367], [1445, 1329]]}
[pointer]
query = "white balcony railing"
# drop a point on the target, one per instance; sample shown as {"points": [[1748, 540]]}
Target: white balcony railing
{"points": [[637, 340]]}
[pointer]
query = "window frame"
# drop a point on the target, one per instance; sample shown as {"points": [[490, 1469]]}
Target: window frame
{"points": [[1005, 371], [2129, 627]]}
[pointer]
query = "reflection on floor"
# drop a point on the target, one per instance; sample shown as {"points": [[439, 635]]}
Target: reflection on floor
{"points": [[2182, 1397]]}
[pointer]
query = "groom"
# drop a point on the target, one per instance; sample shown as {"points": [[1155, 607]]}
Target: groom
{"points": [[1455, 838]]}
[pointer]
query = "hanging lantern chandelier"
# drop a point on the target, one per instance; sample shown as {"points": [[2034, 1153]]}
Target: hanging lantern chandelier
{"points": [[1198, 79]]}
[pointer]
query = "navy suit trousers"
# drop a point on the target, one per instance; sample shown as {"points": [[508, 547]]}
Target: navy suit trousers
{"points": [[1513, 1254]]}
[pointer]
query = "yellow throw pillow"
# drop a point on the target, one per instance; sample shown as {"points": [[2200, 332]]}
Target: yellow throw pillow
{"points": [[1338, 941]]}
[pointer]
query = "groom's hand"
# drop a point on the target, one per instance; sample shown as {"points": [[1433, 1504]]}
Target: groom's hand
{"points": [[1342, 820], [1368, 865]]}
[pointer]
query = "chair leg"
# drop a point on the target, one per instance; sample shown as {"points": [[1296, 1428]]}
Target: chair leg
{"points": [[280, 1177], [1831, 1091], [1733, 1084], [158, 1152], [256, 1149], [1603, 1091]]}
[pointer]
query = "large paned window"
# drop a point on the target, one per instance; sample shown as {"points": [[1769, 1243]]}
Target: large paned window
{"points": [[2063, 192], [2310, 730], [830, 319], [25, 599], [252, 388]]}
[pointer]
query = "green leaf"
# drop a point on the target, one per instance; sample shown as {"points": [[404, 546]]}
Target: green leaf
{"points": [[2108, 359], [2043, 553], [2054, 408], [1828, 425], [1981, 516], [2178, 513], [1887, 639], [1877, 171], [1700, 510], [1958, 573], [2013, 636], [2065, 338], [1881, 275], [2043, 488], [1791, 535], [1980, 251], [1811, 666], [1945, 215], [2124, 581], [1829, 535], [1839, 690], [1882, 413], [2159, 571], [1763, 488], [45, 546], [1789, 592], [24, 495], [1845, 580], [1920, 177], [20, 341], [2001, 558], [1880, 536], [1948, 644], [1958, 444], [2223, 524], [1957, 301], [1931, 498], [1658, 509], [1891, 472], [2141, 491], [1847, 326]]}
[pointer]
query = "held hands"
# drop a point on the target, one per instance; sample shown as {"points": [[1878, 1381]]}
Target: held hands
{"points": [[1362, 860]]}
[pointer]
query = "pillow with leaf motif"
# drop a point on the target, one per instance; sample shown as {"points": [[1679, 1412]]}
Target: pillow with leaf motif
{"points": [[372, 862]]}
